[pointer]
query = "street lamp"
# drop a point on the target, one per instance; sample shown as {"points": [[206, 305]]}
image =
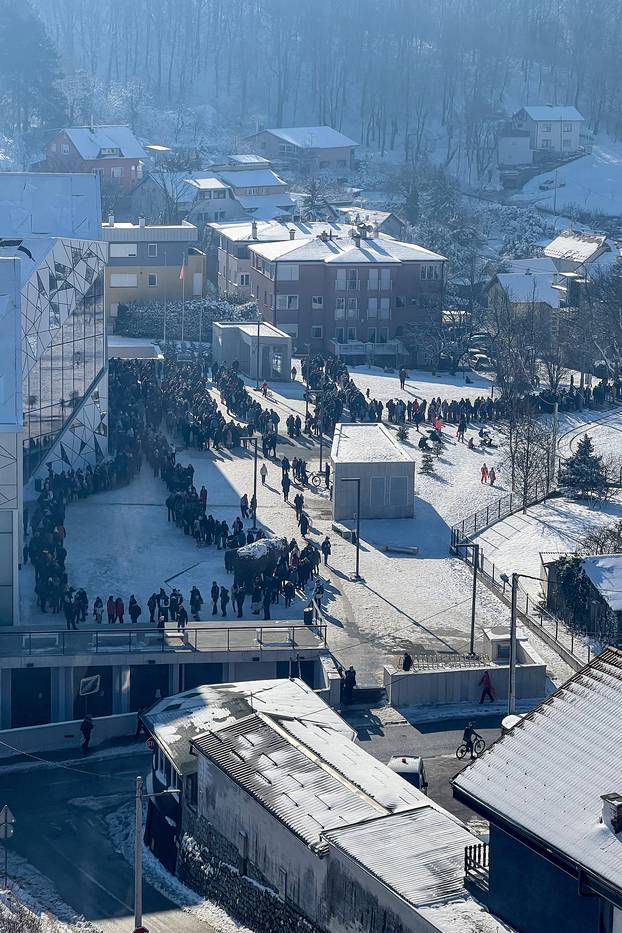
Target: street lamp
{"points": [[357, 480], [475, 548], [513, 614], [258, 344], [138, 854], [253, 440]]}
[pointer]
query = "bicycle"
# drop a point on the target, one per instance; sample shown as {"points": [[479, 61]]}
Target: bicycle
{"points": [[479, 746]]}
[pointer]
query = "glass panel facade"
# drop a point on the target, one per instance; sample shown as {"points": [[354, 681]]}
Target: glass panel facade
{"points": [[63, 374]]}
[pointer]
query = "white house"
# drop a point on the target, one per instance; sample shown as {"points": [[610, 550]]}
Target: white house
{"points": [[556, 129]]}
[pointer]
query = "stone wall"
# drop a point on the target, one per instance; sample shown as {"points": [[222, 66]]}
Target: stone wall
{"points": [[211, 866]]}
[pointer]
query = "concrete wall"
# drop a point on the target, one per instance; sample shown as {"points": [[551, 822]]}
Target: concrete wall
{"points": [[65, 735], [376, 485], [460, 684]]}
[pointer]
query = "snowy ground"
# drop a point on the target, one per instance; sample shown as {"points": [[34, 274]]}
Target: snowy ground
{"points": [[556, 526], [38, 894], [591, 183]]}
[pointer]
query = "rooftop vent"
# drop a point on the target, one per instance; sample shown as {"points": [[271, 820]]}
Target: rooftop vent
{"points": [[111, 219], [254, 230], [292, 234], [612, 812]]}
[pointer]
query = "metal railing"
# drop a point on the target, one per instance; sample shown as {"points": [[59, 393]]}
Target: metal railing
{"points": [[434, 660], [149, 639], [506, 505], [477, 864]]}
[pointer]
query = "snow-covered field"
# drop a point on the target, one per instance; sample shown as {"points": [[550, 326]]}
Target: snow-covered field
{"points": [[556, 526], [591, 183]]}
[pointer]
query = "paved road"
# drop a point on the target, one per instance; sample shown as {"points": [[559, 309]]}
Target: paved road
{"points": [[70, 845], [436, 742]]}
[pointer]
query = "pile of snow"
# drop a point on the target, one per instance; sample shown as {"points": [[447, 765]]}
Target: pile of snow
{"points": [[32, 904]]}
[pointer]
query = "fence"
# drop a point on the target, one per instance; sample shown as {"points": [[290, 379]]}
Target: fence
{"points": [[530, 611], [506, 505], [19, 643]]}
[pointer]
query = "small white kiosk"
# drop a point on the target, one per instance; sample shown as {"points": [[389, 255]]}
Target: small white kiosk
{"points": [[241, 341], [386, 471]]}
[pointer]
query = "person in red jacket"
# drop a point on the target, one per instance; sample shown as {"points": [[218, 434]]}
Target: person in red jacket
{"points": [[110, 609], [486, 685], [119, 609]]}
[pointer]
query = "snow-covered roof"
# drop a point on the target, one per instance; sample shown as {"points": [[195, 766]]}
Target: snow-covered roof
{"points": [[89, 142], [313, 137], [122, 232], [309, 790], [547, 775], [523, 287], [267, 206], [253, 178], [206, 182], [419, 854], [248, 159], [366, 443], [549, 112], [250, 329], [269, 231], [381, 249], [576, 246], [175, 720], [605, 573], [353, 214], [534, 264], [42, 204]]}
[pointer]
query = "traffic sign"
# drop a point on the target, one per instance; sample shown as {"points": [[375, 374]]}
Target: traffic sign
{"points": [[150, 744], [90, 685]]}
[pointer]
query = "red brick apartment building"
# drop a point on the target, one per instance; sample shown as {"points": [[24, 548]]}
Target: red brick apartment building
{"points": [[353, 293]]}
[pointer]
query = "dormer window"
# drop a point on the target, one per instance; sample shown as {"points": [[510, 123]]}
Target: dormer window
{"points": [[109, 151]]}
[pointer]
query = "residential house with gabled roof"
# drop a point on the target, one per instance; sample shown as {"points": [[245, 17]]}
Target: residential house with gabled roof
{"points": [[113, 152], [312, 148], [551, 129], [551, 789]]}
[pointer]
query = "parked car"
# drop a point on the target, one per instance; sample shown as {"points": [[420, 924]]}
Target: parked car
{"points": [[412, 769]]}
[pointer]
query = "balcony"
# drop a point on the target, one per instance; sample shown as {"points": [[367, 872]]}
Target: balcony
{"points": [[477, 868]]}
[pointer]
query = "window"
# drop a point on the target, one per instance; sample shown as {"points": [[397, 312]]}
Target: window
{"points": [[372, 307], [372, 281], [288, 272], [284, 148], [317, 332], [385, 279], [566, 143], [340, 308], [116, 171], [219, 215], [152, 280], [282, 883], [122, 280], [152, 250], [371, 334], [245, 278], [567, 127], [243, 853], [339, 334], [191, 790], [431, 271], [347, 279], [546, 127], [384, 311], [317, 302], [53, 147], [324, 164], [65, 148], [547, 144], [351, 333], [353, 309], [122, 250], [383, 335], [400, 301], [287, 302]]}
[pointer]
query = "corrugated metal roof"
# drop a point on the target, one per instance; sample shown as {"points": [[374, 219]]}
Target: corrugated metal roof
{"points": [[575, 246], [253, 178], [313, 137], [419, 854], [548, 774], [381, 250], [304, 794]]}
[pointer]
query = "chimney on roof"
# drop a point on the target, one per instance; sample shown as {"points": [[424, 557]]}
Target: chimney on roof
{"points": [[376, 231], [111, 219], [254, 230], [612, 812], [141, 220], [357, 241], [323, 236], [292, 233]]}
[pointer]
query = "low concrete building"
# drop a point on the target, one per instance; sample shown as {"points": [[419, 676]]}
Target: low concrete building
{"points": [[309, 148], [386, 471], [295, 827], [231, 342], [145, 263]]}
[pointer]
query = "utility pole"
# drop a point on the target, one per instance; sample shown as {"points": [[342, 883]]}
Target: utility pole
{"points": [[138, 856], [512, 672], [474, 597]]}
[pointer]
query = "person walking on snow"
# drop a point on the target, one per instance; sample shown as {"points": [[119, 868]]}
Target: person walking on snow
{"points": [[487, 691], [285, 485], [484, 473], [326, 549], [263, 473], [492, 476], [86, 728], [215, 593]]}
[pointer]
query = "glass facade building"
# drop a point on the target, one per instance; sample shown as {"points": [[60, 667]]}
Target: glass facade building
{"points": [[64, 347]]}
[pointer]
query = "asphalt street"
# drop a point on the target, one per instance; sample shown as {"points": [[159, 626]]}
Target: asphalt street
{"points": [[69, 844]]}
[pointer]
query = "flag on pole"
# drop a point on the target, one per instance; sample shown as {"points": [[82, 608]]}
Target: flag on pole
{"points": [[181, 271]]}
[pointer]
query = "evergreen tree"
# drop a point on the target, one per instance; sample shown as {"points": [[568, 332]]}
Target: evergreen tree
{"points": [[584, 472], [427, 464], [29, 70]]}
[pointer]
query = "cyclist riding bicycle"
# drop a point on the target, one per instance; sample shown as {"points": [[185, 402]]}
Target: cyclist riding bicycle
{"points": [[469, 735]]}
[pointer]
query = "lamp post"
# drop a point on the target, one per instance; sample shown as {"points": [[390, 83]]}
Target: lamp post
{"points": [[513, 615], [258, 345], [253, 440], [357, 480], [475, 548], [138, 854]]}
